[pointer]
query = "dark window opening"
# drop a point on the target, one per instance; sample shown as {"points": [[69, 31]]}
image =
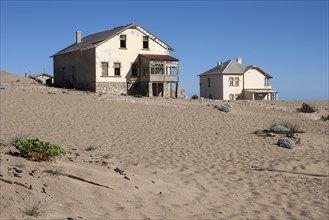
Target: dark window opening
{"points": [[209, 82], [123, 41], [145, 42]]}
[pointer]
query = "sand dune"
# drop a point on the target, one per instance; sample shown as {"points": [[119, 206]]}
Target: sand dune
{"points": [[182, 159]]}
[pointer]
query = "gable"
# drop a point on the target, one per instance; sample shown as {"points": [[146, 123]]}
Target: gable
{"points": [[259, 70]]}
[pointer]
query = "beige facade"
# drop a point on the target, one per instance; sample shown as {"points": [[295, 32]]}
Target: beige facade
{"points": [[232, 80], [110, 61]]}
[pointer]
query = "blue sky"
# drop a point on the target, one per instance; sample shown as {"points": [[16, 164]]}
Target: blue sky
{"points": [[287, 39]]}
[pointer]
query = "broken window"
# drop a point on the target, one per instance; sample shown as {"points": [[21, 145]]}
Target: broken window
{"points": [[134, 70], [123, 39], [172, 70], [105, 68], [117, 67], [145, 42], [157, 69]]}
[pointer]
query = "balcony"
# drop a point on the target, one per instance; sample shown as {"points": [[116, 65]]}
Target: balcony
{"points": [[159, 78]]}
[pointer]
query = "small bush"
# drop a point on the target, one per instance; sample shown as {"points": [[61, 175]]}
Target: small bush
{"points": [[286, 143], [91, 148], [285, 126], [224, 108], [17, 138], [106, 155], [54, 171], [194, 96], [37, 150], [34, 210], [306, 108]]}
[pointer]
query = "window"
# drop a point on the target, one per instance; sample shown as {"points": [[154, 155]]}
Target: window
{"points": [[136, 86], [134, 70], [231, 81], [267, 82], [145, 42], [117, 69], [209, 82], [172, 70], [157, 69], [236, 79], [105, 69], [123, 39]]}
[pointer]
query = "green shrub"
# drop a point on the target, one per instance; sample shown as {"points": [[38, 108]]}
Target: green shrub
{"points": [[194, 96], [279, 128], [285, 126], [18, 137], [35, 149], [224, 108], [306, 108], [286, 143]]}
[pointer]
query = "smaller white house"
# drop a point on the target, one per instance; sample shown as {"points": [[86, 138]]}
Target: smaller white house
{"points": [[43, 78], [232, 80]]}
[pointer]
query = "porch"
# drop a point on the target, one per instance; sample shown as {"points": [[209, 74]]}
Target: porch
{"points": [[159, 75], [261, 94]]}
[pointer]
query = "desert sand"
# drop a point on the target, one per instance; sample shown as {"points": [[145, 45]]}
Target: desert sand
{"points": [[180, 159]]}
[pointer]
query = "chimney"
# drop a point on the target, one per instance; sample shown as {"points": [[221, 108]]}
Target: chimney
{"points": [[78, 37], [219, 63], [239, 60]]}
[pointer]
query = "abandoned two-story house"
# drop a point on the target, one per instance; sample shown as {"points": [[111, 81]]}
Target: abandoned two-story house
{"points": [[125, 60], [232, 80]]}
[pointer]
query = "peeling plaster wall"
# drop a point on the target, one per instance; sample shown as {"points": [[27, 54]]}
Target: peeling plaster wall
{"points": [[83, 75]]}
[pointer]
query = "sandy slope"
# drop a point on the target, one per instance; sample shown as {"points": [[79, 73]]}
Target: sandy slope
{"points": [[182, 159]]}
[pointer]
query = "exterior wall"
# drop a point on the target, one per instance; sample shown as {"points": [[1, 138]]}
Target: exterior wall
{"points": [[111, 87], [215, 91], [254, 80], [83, 75], [111, 52], [235, 90]]}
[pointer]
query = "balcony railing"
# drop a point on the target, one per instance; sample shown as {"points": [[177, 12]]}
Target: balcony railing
{"points": [[159, 78]]}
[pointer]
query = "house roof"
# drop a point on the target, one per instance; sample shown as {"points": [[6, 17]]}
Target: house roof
{"points": [[159, 57], [41, 74], [231, 67], [93, 40]]}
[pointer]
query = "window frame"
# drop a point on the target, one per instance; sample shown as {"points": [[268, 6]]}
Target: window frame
{"points": [[146, 45], [231, 81], [209, 82], [117, 69], [105, 68], [236, 81], [123, 42]]}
